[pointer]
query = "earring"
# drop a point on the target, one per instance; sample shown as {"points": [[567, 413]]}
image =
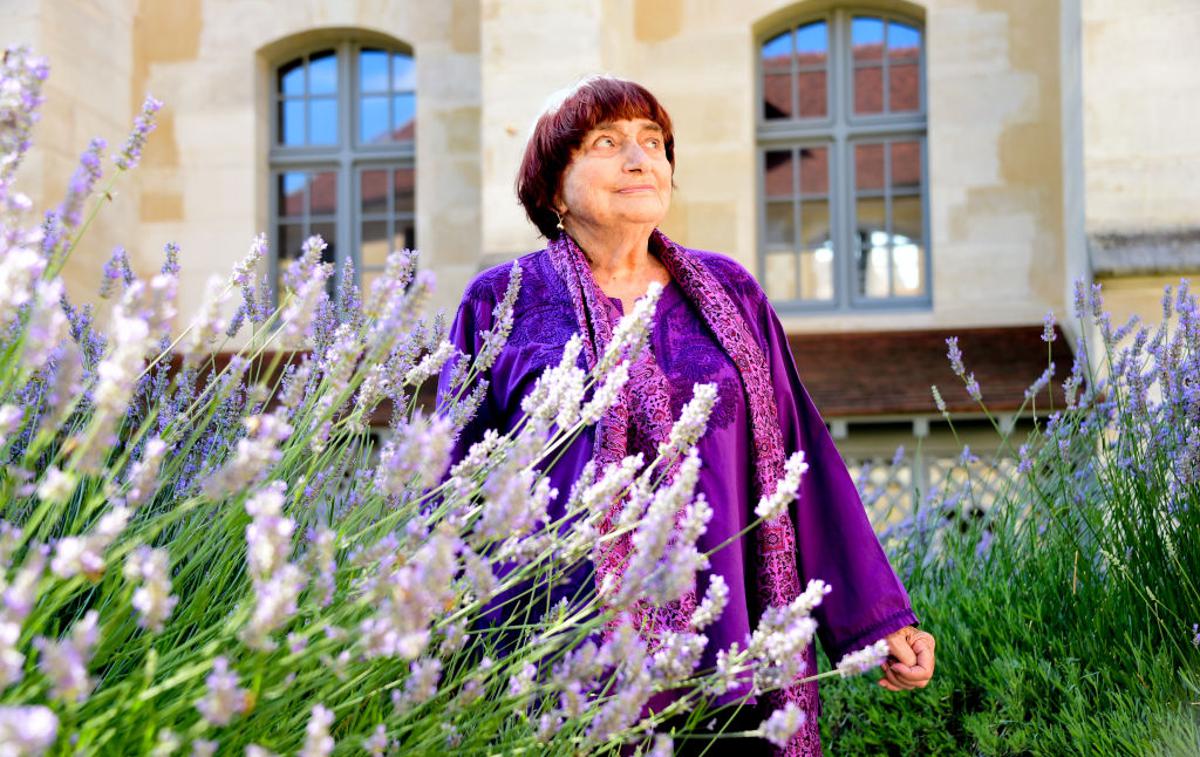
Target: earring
{"points": [[559, 225]]}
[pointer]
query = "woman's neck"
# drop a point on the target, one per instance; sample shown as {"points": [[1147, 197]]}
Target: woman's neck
{"points": [[615, 254]]}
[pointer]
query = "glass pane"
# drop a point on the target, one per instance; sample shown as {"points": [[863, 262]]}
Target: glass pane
{"points": [[322, 73], [868, 166], [904, 42], [814, 170], [373, 126], [777, 54], [403, 113], [813, 95], [291, 194], [373, 191], [404, 117], [906, 165], [323, 193], [904, 87], [781, 225], [908, 250], [866, 35], [374, 243], [777, 96], [778, 173], [406, 236], [373, 70], [816, 274], [404, 72], [781, 276], [868, 90], [812, 44], [328, 232], [291, 122], [291, 237], [814, 224], [291, 78], [871, 258], [322, 120], [403, 183]]}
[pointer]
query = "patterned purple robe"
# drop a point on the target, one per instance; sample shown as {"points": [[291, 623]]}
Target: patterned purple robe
{"points": [[835, 541]]}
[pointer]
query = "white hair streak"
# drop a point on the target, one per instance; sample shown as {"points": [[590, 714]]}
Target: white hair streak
{"points": [[556, 99]]}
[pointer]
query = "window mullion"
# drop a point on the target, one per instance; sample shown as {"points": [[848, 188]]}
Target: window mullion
{"points": [[887, 215], [345, 173], [797, 220], [843, 214]]}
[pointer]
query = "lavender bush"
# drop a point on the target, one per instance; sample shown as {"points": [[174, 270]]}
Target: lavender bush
{"points": [[1067, 608], [199, 555]]}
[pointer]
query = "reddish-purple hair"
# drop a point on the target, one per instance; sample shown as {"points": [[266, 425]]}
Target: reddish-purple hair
{"points": [[560, 131]]}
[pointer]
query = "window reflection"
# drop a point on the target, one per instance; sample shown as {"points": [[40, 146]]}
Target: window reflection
{"points": [[307, 96], [387, 103], [795, 73], [888, 83], [322, 73], [322, 122]]}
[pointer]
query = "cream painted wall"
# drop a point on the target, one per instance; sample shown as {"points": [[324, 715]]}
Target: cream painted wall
{"points": [[1141, 109]]}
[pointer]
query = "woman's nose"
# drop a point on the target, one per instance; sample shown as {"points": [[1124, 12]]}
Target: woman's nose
{"points": [[635, 156]]}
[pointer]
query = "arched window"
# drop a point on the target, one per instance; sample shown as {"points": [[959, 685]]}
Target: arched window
{"points": [[342, 158], [841, 134]]}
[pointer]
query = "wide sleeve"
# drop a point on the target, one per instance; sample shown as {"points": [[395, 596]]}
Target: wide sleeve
{"points": [[474, 317], [834, 537]]}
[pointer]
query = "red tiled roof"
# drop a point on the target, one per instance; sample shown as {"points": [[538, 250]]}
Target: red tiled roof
{"points": [[890, 372]]}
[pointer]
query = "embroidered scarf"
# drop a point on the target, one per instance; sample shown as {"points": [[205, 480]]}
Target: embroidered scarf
{"points": [[642, 419]]}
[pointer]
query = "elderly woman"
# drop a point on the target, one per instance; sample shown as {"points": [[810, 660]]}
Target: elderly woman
{"points": [[596, 180]]}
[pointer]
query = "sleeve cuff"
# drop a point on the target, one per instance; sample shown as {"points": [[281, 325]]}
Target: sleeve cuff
{"points": [[873, 633]]}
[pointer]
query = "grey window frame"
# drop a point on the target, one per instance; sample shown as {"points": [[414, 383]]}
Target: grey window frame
{"points": [[346, 159], [839, 131]]}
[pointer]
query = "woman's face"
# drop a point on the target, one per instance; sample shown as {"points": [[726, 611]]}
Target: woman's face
{"points": [[619, 175]]}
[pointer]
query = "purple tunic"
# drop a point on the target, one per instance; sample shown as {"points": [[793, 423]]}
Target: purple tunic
{"points": [[835, 540]]}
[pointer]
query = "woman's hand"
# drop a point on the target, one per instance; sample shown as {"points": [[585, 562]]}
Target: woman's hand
{"points": [[910, 665]]}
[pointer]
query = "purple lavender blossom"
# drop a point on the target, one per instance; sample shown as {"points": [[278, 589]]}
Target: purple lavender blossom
{"points": [[28, 730], [65, 662], [783, 724], [20, 98], [82, 182], [954, 354], [864, 660], [1048, 333], [131, 153], [223, 698]]}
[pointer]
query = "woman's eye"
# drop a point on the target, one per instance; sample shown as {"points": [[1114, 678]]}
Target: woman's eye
{"points": [[654, 143], [605, 142]]}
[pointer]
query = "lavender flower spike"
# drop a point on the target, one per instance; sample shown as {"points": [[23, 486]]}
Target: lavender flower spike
{"points": [[153, 599], [27, 730], [131, 153], [863, 660], [783, 724], [317, 741], [224, 698], [65, 663]]}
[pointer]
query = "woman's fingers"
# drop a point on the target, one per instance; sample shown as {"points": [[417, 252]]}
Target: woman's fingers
{"points": [[900, 647], [912, 661], [917, 675]]}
